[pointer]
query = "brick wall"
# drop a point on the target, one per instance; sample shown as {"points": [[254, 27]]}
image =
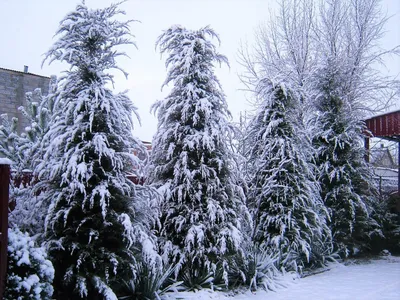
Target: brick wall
{"points": [[13, 86]]}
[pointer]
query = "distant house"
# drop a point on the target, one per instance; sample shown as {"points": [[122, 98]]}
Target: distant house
{"points": [[381, 157], [13, 87], [385, 168]]}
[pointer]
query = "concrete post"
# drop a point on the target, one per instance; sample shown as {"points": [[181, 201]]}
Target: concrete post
{"points": [[4, 197]]}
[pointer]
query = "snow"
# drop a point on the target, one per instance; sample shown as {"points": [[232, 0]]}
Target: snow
{"points": [[30, 273], [5, 161], [377, 279]]}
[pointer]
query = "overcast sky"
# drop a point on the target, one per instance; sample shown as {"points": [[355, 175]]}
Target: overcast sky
{"points": [[27, 28]]}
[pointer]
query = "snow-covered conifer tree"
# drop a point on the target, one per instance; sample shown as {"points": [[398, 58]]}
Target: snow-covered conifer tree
{"points": [[97, 225], [289, 216], [190, 161], [346, 181], [11, 142]]}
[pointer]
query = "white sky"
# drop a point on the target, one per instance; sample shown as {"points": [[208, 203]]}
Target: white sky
{"points": [[27, 28]]}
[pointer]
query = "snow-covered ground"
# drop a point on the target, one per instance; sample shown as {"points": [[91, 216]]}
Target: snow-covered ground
{"points": [[374, 280]]}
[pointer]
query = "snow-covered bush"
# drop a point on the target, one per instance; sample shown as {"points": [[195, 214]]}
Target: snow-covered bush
{"points": [[385, 213], [258, 271], [30, 211], [30, 274], [150, 284], [11, 141]]}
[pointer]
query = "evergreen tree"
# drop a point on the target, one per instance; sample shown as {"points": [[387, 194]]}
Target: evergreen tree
{"points": [[38, 111], [97, 224], [345, 178], [190, 161], [11, 142], [289, 216]]}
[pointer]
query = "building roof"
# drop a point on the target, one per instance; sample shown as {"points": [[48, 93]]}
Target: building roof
{"points": [[386, 126], [21, 72]]}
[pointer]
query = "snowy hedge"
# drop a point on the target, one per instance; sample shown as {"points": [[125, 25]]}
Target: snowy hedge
{"points": [[30, 274]]}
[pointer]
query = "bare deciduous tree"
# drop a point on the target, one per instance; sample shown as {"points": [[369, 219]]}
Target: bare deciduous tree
{"points": [[305, 34], [352, 31]]}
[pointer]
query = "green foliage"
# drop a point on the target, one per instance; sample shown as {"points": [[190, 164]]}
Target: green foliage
{"points": [[258, 271], [198, 278], [150, 284], [387, 214]]}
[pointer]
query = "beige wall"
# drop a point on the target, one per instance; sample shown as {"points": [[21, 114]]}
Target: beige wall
{"points": [[13, 86]]}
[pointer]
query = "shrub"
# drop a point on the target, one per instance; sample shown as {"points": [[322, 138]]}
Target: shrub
{"points": [[387, 214], [259, 270], [150, 283], [30, 274]]}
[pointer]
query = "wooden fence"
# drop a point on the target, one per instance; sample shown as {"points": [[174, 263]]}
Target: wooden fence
{"points": [[4, 197]]}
